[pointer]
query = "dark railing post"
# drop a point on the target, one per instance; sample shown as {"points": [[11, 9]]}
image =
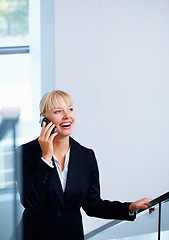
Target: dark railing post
{"points": [[159, 222]]}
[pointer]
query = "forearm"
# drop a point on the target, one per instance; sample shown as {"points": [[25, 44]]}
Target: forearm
{"points": [[108, 209]]}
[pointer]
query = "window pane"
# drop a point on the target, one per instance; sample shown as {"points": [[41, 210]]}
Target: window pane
{"points": [[15, 87], [6, 186], [14, 23]]}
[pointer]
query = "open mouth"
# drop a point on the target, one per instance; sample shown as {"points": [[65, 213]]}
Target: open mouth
{"points": [[67, 124]]}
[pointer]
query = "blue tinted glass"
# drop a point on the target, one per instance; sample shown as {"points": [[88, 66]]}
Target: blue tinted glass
{"points": [[14, 25], [16, 87]]}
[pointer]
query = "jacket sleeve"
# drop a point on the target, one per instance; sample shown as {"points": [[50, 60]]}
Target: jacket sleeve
{"points": [[96, 207], [34, 178]]}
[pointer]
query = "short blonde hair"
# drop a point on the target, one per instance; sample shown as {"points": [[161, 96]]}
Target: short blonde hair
{"points": [[52, 99]]}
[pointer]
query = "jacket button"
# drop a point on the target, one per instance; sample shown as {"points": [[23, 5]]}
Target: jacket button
{"points": [[59, 213]]}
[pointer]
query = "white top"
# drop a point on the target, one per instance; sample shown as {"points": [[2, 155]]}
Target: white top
{"points": [[62, 174]]}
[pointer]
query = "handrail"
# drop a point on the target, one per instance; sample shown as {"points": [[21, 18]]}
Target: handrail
{"points": [[159, 200], [14, 50]]}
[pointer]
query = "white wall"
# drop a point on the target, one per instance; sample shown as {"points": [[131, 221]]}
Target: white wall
{"points": [[112, 57]]}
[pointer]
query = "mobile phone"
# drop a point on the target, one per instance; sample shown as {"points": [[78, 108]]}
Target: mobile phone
{"points": [[44, 119]]}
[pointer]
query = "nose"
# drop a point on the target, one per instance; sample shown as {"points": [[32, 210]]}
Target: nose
{"points": [[65, 114]]}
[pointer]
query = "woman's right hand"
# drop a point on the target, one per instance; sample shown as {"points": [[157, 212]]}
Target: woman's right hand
{"points": [[46, 141]]}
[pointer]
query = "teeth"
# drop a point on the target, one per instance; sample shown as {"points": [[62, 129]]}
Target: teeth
{"points": [[65, 125]]}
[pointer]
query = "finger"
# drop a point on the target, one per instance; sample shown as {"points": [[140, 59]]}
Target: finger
{"points": [[143, 207], [146, 202], [47, 130], [44, 128], [52, 128], [44, 125], [53, 135], [41, 135], [151, 210]]}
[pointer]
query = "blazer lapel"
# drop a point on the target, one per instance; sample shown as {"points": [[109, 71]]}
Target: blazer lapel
{"points": [[55, 181], [56, 184], [74, 171], [75, 166]]}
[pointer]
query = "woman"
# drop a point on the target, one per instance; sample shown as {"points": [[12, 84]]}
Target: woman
{"points": [[60, 176]]}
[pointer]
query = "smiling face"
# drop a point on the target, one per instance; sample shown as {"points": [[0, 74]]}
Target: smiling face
{"points": [[63, 117], [57, 106]]}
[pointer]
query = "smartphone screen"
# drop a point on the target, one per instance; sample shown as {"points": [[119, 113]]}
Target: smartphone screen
{"points": [[44, 119]]}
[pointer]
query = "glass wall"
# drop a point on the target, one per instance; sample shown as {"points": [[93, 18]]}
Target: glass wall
{"points": [[143, 226], [15, 84], [165, 221], [153, 226], [19, 83], [17, 89], [6, 186], [14, 22], [10, 209]]}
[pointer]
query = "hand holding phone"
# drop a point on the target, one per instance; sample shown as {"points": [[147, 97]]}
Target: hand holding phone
{"points": [[44, 119], [46, 140]]}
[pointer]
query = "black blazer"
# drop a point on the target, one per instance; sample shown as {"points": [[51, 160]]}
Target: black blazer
{"points": [[50, 213]]}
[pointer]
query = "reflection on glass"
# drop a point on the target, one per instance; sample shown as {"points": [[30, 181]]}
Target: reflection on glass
{"points": [[6, 186], [144, 227], [165, 221], [6, 163], [14, 23], [149, 236], [15, 87]]}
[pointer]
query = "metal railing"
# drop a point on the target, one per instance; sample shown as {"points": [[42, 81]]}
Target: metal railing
{"points": [[109, 230], [14, 50]]}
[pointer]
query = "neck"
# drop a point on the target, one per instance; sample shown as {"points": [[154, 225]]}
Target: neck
{"points": [[61, 145]]}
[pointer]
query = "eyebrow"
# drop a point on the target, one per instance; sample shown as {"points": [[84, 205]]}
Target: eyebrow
{"points": [[61, 107]]}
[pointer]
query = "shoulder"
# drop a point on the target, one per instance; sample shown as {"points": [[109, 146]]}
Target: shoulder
{"points": [[30, 149], [83, 153], [78, 146], [29, 153], [33, 145]]}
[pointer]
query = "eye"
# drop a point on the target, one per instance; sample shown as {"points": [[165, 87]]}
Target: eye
{"points": [[58, 111], [70, 109]]}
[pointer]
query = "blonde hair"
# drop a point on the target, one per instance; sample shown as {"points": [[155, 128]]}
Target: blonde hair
{"points": [[52, 99]]}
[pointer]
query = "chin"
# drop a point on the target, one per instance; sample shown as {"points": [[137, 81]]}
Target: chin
{"points": [[65, 134]]}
